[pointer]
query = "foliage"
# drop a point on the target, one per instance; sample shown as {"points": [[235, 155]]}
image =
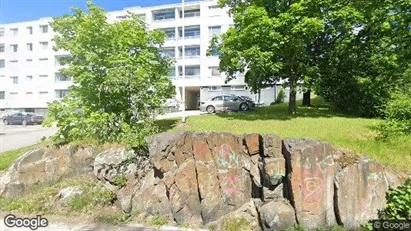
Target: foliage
{"points": [[398, 205], [348, 133], [121, 180], [157, 221], [352, 52], [119, 78], [398, 115], [115, 218], [41, 199], [280, 96], [273, 40], [235, 225], [359, 72]]}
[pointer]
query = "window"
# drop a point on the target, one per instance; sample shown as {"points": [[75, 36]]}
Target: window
{"points": [[29, 60], [29, 77], [43, 76], [190, 13], [190, 71], [190, 32], [218, 98], [164, 15], [169, 52], [1, 31], [44, 45], [61, 78], [238, 88], [43, 93], [171, 33], [14, 61], [43, 59], [61, 93], [1, 63], [14, 31], [29, 93], [214, 30], [214, 52], [15, 79], [215, 88], [30, 30], [191, 51], [121, 17], [29, 46], [2, 95], [215, 71], [172, 73], [44, 29], [13, 96], [1, 48], [14, 47], [142, 16], [214, 7]]}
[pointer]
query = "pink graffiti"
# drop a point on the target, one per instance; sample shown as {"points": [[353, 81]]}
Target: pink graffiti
{"points": [[232, 179], [230, 191]]}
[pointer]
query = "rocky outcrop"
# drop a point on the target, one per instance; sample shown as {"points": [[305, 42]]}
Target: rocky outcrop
{"points": [[46, 165], [360, 189], [204, 178]]}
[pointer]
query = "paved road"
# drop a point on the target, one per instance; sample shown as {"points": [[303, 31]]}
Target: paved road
{"points": [[17, 136]]}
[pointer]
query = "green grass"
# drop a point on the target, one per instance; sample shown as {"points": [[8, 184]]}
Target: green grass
{"points": [[8, 157], [346, 133]]}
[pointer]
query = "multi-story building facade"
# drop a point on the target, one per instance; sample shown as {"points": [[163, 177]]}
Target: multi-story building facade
{"points": [[29, 68]]}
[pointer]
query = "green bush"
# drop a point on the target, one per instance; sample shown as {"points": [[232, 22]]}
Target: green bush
{"points": [[398, 205], [397, 115], [280, 96]]}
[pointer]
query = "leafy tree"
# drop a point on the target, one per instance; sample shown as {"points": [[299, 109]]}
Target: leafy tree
{"points": [[119, 78], [277, 39], [359, 72], [344, 49]]}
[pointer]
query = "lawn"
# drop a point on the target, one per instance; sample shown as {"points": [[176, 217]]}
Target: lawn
{"points": [[346, 133]]}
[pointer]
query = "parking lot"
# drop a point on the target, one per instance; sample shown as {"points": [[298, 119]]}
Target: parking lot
{"points": [[17, 136]]}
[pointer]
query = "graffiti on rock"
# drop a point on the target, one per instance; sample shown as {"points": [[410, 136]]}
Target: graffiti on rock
{"points": [[227, 158], [312, 189], [230, 185]]}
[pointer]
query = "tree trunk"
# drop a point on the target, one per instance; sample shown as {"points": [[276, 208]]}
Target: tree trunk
{"points": [[307, 98], [292, 104]]}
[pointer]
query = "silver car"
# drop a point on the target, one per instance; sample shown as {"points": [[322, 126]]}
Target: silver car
{"points": [[224, 103]]}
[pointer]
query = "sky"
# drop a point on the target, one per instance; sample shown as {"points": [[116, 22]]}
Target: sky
{"points": [[27, 10]]}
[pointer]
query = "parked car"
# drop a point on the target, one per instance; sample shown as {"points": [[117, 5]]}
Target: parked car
{"points": [[24, 119], [250, 101], [225, 103]]}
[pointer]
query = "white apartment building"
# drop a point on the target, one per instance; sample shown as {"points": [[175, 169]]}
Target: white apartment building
{"points": [[29, 68]]}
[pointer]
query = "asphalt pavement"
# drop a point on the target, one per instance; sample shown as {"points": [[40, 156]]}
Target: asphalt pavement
{"points": [[17, 136]]}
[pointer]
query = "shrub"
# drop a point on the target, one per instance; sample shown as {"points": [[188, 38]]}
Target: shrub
{"points": [[235, 224], [397, 115], [280, 96], [398, 205]]}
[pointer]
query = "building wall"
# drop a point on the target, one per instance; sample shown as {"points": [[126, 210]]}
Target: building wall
{"points": [[33, 93]]}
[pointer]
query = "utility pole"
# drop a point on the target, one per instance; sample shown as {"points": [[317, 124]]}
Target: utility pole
{"points": [[183, 119]]}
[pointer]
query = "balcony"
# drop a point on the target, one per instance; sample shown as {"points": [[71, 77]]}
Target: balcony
{"points": [[190, 32], [190, 13], [191, 72], [164, 15]]}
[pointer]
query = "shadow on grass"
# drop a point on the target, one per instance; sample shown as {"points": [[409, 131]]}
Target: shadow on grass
{"points": [[319, 109], [166, 124]]}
